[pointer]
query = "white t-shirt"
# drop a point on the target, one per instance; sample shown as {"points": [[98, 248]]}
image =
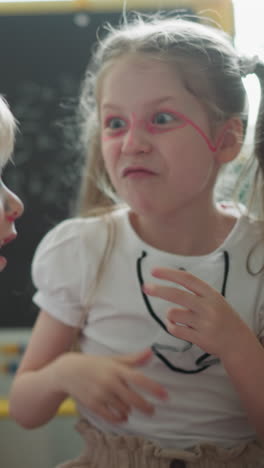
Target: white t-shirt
{"points": [[202, 405]]}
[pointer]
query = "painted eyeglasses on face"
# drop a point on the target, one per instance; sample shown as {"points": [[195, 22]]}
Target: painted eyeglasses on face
{"points": [[165, 120]]}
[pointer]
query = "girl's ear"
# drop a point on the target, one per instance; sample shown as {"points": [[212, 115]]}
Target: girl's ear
{"points": [[231, 140]]}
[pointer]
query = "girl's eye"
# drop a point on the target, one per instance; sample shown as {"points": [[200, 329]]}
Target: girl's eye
{"points": [[162, 118], [115, 123]]}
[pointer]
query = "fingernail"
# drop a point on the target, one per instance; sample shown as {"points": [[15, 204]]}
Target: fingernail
{"points": [[168, 323], [148, 288], [164, 395]]}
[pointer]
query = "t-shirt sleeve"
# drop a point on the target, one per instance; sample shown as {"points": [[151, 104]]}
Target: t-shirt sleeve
{"points": [[60, 274]]}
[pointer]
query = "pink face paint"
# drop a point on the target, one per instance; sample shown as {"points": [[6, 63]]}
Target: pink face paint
{"points": [[141, 123], [118, 132], [152, 128], [203, 135], [175, 124]]}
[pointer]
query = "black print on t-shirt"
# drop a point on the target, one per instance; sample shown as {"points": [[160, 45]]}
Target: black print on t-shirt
{"points": [[172, 351]]}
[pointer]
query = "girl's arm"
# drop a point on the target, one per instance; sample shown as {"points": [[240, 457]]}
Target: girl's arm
{"points": [[34, 397], [212, 324], [49, 372]]}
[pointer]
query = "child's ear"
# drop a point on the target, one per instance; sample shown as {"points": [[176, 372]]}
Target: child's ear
{"points": [[231, 140]]}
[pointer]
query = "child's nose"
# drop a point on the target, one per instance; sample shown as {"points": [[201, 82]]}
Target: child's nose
{"points": [[14, 206], [137, 139]]}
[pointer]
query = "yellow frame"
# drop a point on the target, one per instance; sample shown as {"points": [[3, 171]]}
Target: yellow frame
{"points": [[220, 11]]}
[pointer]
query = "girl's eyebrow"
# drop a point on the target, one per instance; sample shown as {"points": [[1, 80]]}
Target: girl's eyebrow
{"points": [[109, 105]]}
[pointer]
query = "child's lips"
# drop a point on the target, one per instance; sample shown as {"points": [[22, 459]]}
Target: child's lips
{"points": [[3, 263], [137, 170], [5, 241]]}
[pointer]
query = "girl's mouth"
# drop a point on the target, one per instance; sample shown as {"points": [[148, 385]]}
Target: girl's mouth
{"points": [[137, 170], [7, 240], [3, 263]]}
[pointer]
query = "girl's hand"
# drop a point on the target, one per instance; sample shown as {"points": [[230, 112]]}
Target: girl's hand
{"points": [[106, 384], [210, 322]]}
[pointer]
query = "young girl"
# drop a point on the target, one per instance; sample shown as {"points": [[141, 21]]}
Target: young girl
{"points": [[11, 206], [164, 284]]}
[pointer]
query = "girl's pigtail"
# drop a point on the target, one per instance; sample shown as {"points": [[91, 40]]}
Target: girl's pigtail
{"points": [[259, 133], [259, 144], [257, 197]]}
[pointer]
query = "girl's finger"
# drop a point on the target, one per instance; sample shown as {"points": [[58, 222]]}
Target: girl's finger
{"points": [[183, 333], [118, 405], [185, 279], [145, 383], [133, 399], [135, 359], [178, 296], [182, 317], [108, 413]]}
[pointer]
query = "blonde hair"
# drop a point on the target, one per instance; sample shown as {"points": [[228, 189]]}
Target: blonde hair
{"points": [[8, 127]]}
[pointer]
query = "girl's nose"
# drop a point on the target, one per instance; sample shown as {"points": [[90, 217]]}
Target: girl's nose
{"points": [[14, 206], [136, 140]]}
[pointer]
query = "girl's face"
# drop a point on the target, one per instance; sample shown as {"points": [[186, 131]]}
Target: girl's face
{"points": [[11, 208], [155, 138]]}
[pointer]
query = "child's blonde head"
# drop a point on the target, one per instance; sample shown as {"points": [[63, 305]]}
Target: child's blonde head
{"points": [[7, 132]]}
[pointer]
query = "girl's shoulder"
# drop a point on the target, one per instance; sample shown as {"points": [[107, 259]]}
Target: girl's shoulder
{"points": [[79, 233], [241, 213], [247, 229], [70, 253]]}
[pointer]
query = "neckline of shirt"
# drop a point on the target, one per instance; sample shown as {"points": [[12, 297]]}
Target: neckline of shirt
{"points": [[138, 243]]}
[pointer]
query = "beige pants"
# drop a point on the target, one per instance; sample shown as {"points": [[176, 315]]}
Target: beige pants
{"points": [[115, 451]]}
